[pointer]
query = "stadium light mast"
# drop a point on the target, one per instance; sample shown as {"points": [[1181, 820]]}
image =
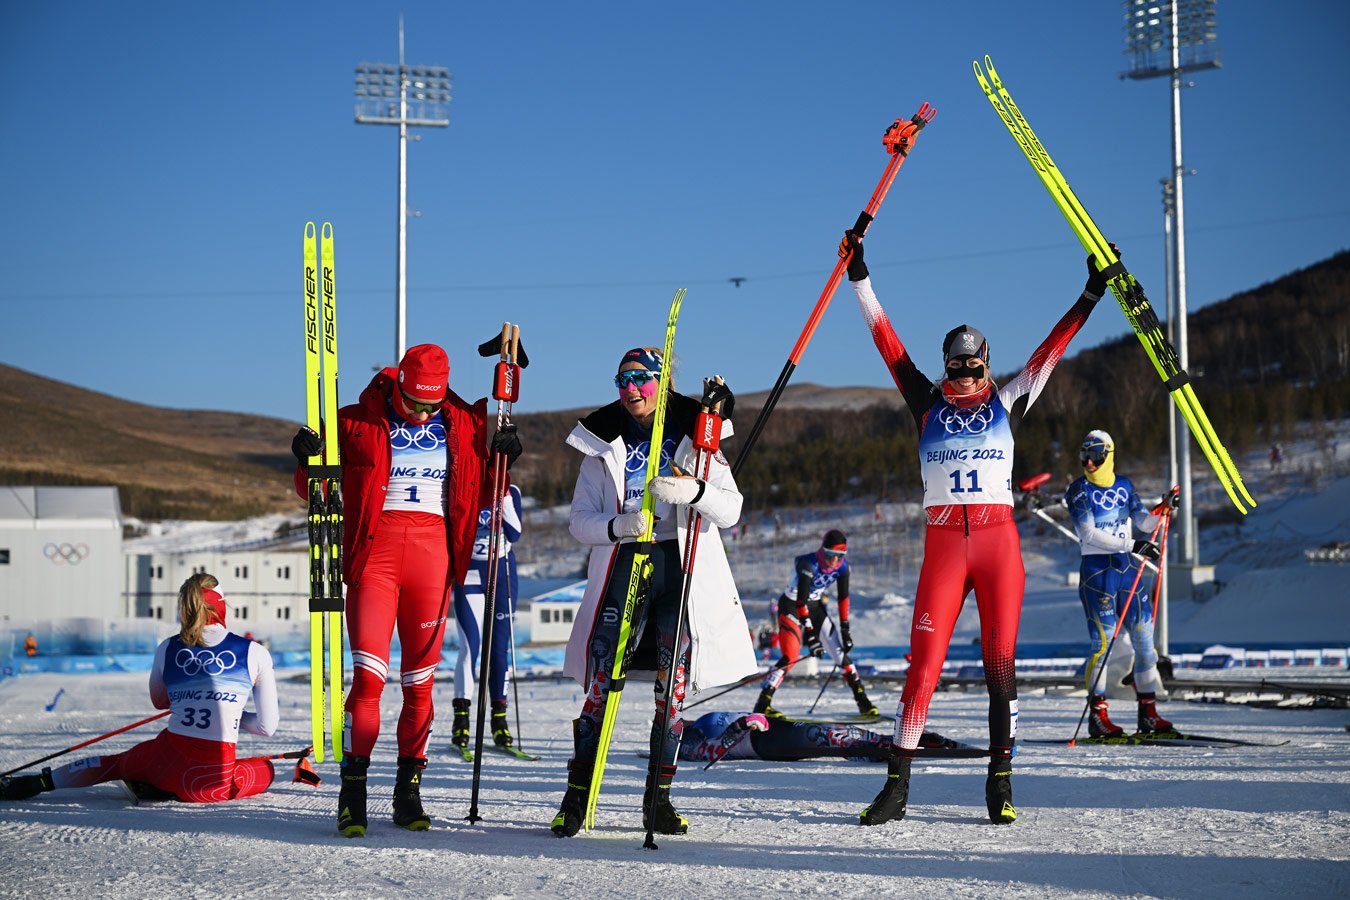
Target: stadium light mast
{"points": [[409, 97], [1171, 38]]}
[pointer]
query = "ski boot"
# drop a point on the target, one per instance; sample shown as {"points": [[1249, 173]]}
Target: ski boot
{"points": [[1150, 722], [865, 707], [1099, 724], [764, 707], [657, 813], [459, 727], [501, 733], [568, 820], [998, 792], [890, 803], [352, 798], [21, 787], [408, 812]]}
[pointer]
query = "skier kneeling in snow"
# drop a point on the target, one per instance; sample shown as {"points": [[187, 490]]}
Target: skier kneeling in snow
{"points": [[204, 675], [607, 515], [1105, 509], [802, 619], [965, 423]]}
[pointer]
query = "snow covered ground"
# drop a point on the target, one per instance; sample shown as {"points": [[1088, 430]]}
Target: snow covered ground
{"points": [[1094, 821]]}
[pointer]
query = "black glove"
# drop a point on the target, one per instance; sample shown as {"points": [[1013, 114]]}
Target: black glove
{"points": [[1147, 549], [507, 443], [305, 444], [1096, 284], [493, 347], [714, 393], [811, 639], [857, 269], [845, 639]]}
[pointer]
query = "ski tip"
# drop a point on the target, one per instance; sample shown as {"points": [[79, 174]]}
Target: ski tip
{"points": [[328, 231], [309, 230]]}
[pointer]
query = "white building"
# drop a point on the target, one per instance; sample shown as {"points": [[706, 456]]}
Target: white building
{"points": [[60, 553], [266, 589], [552, 614]]}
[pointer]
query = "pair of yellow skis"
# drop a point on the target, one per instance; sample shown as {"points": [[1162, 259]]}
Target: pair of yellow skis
{"points": [[1128, 293], [325, 494]]}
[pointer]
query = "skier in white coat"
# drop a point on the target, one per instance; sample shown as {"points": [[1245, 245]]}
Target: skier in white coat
{"points": [[607, 516]]}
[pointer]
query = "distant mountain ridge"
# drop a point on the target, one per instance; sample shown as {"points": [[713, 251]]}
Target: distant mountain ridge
{"points": [[1262, 360]]}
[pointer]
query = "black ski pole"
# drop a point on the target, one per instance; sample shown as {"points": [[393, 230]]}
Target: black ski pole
{"points": [[504, 389], [740, 684], [833, 671]]}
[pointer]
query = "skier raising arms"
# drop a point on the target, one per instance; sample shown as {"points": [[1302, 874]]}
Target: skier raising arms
{"points": [[965, 424], [414, 464], [607, 515], [469, 622], [204, 676], [1105, 508], [802, 619]]}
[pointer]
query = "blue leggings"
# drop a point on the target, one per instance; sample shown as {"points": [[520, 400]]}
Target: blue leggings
{"points": [[469, 622], [1103, 586]]}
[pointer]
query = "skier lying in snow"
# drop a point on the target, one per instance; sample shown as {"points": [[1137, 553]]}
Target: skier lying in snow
{"points": [[1106, 508], [802, 619], [204, 675], [716, 736]]}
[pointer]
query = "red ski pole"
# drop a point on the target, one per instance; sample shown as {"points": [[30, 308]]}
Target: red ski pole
{"points": [[898, 140], [101, 737]]}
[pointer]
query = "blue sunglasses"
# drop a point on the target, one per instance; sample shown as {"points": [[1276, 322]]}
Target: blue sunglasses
{"points": [[637, 377]]}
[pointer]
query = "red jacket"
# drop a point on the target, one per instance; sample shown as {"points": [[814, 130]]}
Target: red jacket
{"points": [[363, 439]]}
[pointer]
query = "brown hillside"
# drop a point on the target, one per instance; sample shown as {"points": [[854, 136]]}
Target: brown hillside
{"points": [[167, 463]]}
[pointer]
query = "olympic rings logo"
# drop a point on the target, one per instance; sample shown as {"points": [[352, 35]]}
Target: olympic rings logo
{"points": [[637, 456], [426, 437], [974, 422], [66, 554], [193, 662], [1110, 499]]}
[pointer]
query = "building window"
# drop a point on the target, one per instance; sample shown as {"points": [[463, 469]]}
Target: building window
{"points": [[241, 612], [288, 612], [159, 612], [4, 556], [159, 573], [567, 615], [279, 613]]}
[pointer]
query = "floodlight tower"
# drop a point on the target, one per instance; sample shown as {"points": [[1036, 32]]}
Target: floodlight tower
{"points": [[409, 97], [1169, 37]]}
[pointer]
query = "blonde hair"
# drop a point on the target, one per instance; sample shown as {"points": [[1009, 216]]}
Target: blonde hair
{"points": [[193, 612]]}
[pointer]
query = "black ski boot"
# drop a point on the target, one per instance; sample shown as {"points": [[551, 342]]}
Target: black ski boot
{"points": [[568, 820], [21, 787], [998, 791], [352, 798], [763, 704], [408, 811], [658, 815], [865, 707], [459, 728], [501, 732], [890, 803]]}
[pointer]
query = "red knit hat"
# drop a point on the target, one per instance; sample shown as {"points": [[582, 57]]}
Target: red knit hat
{"points": [[215, 602], [424, 373]]}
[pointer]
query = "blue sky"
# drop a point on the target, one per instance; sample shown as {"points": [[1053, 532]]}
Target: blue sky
{"points": [[160, 161]]}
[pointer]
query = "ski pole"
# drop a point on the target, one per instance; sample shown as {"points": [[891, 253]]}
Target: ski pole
{"points": [[1120, 620], [833, 671], [505, 388], [898, 140], [742, 683], [101, 737], [707, 440], [511, 622]]}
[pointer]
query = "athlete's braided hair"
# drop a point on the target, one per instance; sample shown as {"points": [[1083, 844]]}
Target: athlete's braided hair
{"points": [[193, 612]]}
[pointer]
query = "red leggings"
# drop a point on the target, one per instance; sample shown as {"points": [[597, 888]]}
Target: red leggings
{"points": [[403, 584], [196, 771], [987, 560]]}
